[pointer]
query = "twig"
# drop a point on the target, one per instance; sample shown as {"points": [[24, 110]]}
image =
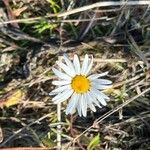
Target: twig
{"points": [[104, 4], [103, 60], [27, 148], [59, 126], [84, 8], [89, 26], [136, 49], [110, 60], [64, 18], [118, 22], [128, 81]]}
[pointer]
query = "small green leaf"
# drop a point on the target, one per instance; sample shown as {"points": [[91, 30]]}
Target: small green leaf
{"points": [[94, 142]]}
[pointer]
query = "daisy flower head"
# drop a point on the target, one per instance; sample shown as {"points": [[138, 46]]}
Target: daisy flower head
{"points": [[77, 85]]}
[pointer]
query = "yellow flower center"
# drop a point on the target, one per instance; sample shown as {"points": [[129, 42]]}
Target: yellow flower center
{"points": [[80, 84]]}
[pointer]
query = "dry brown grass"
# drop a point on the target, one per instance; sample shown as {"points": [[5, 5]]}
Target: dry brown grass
{"points": [[34, 34]]}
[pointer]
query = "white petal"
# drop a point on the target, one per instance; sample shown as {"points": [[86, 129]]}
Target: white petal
{"points": [[90, 102], [85, 64], [61, 89], [102, 81], [89, 67], [95, 76], [62, 96], [76, 64], [104, 96], [72, 104], [61, 75], [66, 69], [79, 106], [100, 86], [99, 97], [84, 105], [62, 82], [92, 96], [69, 63]]}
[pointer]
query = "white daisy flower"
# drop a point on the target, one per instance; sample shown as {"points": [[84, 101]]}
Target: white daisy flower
{"points": [[83, 90]]}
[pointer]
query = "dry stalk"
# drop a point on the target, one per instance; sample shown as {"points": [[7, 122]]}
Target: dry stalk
{"points": [[81, 9]]}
